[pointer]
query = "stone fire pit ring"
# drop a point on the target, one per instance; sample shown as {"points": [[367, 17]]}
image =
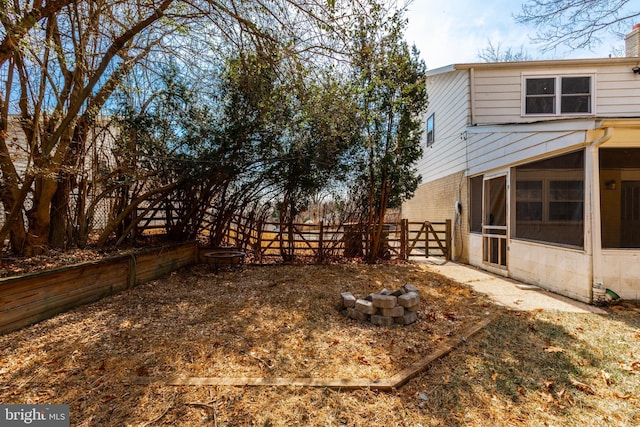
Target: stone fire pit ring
{"points": [[385, 308]]}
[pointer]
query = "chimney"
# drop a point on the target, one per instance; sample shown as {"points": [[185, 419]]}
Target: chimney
{"points": [[632, 42]]}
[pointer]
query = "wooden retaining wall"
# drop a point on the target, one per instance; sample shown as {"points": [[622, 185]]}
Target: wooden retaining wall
{"points": [[33, 297]]}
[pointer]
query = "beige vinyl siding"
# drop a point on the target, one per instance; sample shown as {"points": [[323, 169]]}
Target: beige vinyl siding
{"points": [[617, 92], [496, 149], [497, 96], [449, 99], [17, 144], [498, 92]]}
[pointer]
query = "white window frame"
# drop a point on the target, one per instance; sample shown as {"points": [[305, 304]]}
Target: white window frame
{"points": [[546, 200], [432, 119], [557, 93]]}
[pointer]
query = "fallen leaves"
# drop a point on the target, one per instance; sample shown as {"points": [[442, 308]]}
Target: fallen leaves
{"points": [[195, 323], [363, 360], [633, 367], [606, 377], [449, 315], [559, 398], [555, 397], [623, 396], [54, 258], [586, 388]]}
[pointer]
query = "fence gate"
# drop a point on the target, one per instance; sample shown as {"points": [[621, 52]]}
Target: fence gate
{"points": [[426, 239]]}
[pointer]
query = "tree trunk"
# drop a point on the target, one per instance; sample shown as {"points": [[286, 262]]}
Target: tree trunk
{"points": [[39, 217], [61, 234], [287, 215], [58, 231], [14, 224]]}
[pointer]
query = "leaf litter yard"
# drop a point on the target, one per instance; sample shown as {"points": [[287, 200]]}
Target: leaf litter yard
{"points": [[524, 369]]}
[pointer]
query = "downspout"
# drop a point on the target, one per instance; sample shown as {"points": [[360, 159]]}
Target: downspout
{"points": [[472, 90], [596, 228]]}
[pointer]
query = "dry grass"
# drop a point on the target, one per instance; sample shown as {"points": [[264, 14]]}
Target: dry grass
{"points": [[281, 321]]}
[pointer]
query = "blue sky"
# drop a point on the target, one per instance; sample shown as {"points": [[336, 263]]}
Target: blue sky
{"points": [[454, 31]]}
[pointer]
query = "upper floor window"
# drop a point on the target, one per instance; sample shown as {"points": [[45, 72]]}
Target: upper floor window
{"points": [[431, 129], [558, 95]]}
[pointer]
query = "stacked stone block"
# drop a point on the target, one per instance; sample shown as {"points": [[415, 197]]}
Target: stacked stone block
{"points": [[385, 308]]}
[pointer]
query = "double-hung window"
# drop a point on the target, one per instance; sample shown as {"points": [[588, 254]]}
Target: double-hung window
{"points": [[558, 95]]}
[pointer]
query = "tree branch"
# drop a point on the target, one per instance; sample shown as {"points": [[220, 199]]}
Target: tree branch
{"points": [[16, 32]]}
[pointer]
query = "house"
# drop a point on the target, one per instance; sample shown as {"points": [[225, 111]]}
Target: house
{"points": [[93, 168], [538, 163]]}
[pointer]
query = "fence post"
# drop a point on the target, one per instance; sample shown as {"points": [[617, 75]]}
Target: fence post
{"points": [[426, 239], [448, 239], [258, 248], [239, 228], [320, 242], [404, 238], [133, 270]]}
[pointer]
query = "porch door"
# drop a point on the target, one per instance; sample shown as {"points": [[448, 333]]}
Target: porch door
{"points": [[630, 214], [494, 222]]}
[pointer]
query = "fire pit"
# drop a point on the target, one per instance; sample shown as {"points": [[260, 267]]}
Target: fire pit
{"points": [[224, 256], [385, 308]]}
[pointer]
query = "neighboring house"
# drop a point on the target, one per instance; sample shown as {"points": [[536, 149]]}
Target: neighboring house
{"points": [[538, 162], [96, 164]]}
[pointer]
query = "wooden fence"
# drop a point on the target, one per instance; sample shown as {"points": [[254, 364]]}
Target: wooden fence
{"points": [[403, 240], [37, 296]]}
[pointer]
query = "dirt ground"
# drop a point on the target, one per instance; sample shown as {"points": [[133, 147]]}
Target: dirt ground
{"points": [[283, 321]]}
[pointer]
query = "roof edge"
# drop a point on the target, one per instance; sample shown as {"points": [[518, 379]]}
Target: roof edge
{"points": [[534, 64]]}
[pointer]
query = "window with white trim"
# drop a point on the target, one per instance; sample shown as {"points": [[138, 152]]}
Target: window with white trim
{"points": [[555, 95], [431, 129]]}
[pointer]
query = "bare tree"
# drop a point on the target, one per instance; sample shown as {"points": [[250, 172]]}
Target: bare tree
{"points": [[17, 27], [495, 53], [577, 24], [61, 61], [65, 70]]}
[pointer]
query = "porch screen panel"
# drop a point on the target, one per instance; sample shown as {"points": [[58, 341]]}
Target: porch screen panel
{"points": [[549, 200], [475, 216], [620, 197]]}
